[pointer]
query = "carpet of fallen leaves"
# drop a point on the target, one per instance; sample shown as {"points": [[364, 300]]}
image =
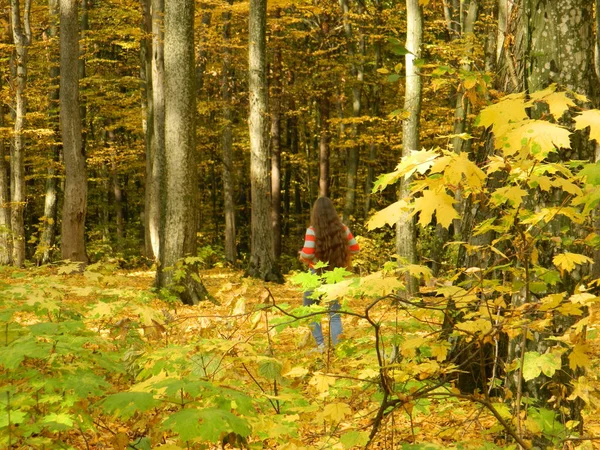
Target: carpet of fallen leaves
{"points": [[446, 424]]}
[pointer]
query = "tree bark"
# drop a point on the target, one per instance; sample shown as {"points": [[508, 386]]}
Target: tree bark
{"points": [[155, 158], [405, 228], [75, 201], [262, 258], [227, 151], [353, 154], [5, 238], [22, 40], [179, 185], [276, 92], [49, 226], [324, 145]]}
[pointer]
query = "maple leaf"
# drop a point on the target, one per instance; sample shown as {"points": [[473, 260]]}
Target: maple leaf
{"points": [[558, 102], [578, 356], [567, 261], [418, 161], [389, 215], [336, 411], [543, 138], [354, 439], [462, 167], [590, 118], [436, 202], [535, 364], [322, 382], [508, 110], [582, 389], [591, 173], [512, 194]]}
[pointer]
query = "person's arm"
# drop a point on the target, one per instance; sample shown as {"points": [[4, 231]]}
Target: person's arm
{"points": [[307, 254]]}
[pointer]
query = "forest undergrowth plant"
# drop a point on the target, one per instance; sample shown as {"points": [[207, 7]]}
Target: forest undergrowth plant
{"points": [[516, 319]]}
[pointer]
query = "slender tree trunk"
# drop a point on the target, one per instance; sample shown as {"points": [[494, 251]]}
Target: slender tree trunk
{"points": [[49, 226], [156, 155], [262, 259], [5, 232], [75, 202], [227, 137], [275, 97], [324, 145], [22, 40], [357, 72], [405, 228], [148, 119]]}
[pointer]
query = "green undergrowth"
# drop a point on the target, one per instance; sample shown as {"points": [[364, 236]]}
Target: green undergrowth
{"points": [[96, 358]]}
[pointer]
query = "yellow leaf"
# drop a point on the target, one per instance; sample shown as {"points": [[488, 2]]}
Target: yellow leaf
{"points": [[581, 389], [389, 215], [296, 372], [336, 411], [436, 202], [418, 161], [410, 346], [473, 326], [578, 357], [540, 136], [590, 118], [513, 194], [551, 301], [322, 382], [440, 350], [508, 110], [567, 261], [557, 102], [462, 166]]}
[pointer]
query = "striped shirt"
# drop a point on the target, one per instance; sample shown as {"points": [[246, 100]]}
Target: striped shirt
{"points": [[308, 249]]}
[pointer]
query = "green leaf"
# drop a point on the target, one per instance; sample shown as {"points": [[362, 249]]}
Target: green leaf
{"points": [[205, 424], [535, 364], [58, 422], [126, 404], [12, 355], [591, 172], [270, 369]]}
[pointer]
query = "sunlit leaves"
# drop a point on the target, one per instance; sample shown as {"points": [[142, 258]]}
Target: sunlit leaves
{"points": [[126, 404], [567, 261], [205, 424], [534, 364], [510, 109], [589, 118], [438, 203]]}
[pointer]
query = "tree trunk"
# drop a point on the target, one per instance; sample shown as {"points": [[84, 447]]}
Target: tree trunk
{"points": [[22, 40], [5, 238], [155, 159], [179, 185], [49, 226], [148, 119], [324, 145], [562, 46], [353, 154], [75, 201], [275, 97], [262, 258], [405, 228], [227, 153]]}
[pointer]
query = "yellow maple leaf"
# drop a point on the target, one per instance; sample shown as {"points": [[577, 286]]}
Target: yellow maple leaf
{"points": [[581, 389], [567, 261], [590, 118], [578, 357], [410, 346], [513, 194], [508, 110], [462, 167], [296, 372], [437, 202], [418, 161], [558, 102], [541, 136], [389, 215], [336, 411], [322, 382]]}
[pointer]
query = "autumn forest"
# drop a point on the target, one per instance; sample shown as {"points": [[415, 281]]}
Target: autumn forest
{"points": [[159, 160]]}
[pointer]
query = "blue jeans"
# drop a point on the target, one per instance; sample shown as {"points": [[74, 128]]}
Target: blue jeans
{"points": [[335, 321]]}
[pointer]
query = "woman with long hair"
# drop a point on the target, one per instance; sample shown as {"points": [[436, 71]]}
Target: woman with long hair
{"points": [[327, 240]]}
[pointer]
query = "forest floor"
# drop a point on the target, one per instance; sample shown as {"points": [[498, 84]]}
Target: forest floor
{"points": [[331, 398]]}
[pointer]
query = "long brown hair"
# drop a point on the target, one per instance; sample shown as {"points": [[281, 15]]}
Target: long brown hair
{"points": [[331, 241]]}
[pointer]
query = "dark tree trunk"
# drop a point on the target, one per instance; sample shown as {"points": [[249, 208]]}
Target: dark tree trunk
{"points": [[75, 201], [324, 146], [227, 152]]}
